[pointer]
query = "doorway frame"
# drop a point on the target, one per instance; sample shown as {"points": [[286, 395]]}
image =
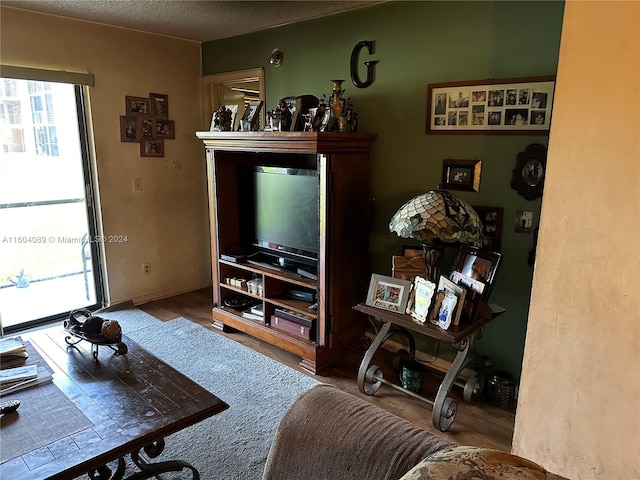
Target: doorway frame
{"points": [[227, 78]]}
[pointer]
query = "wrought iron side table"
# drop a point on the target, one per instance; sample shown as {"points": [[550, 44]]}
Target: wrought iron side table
{"points": [[461, 337]]}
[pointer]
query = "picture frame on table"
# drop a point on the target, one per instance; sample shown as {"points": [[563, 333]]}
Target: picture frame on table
{"points": [[461, 174], [475, 269], [420, 299], [136, 106], [128, 129], [491, 106], [388, 293], [159, 105], [152, 147], [438, 314]]}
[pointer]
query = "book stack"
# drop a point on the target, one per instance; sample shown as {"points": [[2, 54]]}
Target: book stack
{"points": [[255, 312], [13, 351]]}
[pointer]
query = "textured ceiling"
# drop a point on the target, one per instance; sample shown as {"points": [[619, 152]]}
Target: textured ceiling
{"points": [[193, 20]]}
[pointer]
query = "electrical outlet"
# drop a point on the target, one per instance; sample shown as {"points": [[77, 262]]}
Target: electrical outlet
{"points": [[137, 184], [146, 269]]}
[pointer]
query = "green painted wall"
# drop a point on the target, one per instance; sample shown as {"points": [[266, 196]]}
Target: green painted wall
{"points": [[417, 43]]}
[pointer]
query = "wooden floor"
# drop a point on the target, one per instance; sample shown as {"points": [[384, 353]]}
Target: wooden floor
{"points": [[479, 424]]}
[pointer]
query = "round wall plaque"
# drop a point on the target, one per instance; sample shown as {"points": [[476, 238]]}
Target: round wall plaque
{"points": [[529, 172]]}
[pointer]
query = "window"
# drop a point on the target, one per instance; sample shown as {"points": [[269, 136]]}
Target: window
{"points": [[43, 138]]}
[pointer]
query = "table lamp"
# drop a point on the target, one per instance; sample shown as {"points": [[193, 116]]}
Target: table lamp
{"points": [[434, 219]]}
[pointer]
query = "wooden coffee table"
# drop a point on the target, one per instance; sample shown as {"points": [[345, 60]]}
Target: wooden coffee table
{"points": [[132, 402]]}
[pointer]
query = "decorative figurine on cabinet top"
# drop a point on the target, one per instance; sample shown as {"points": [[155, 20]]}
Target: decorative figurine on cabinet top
{"points": [[343, 115]]}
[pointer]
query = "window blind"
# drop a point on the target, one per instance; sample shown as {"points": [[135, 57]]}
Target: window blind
{"points": [[26, 73]]}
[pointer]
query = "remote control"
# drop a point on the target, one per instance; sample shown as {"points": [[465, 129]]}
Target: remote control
{"points": [[9, 406]]}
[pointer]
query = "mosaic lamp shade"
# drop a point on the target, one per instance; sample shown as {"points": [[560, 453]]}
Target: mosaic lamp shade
{"points": [[434, 219]]}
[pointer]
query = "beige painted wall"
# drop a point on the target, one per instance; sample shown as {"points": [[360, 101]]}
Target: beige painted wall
{"points": [[579, 405], [167, 223]]}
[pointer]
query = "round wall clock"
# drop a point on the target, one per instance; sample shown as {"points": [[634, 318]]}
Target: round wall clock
{"points": [[529, 172]]}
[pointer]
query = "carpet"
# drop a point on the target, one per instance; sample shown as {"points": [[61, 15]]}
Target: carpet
{"points": [[234, 444]]}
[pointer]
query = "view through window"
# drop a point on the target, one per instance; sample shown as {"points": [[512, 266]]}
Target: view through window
{"points": [[47, 229]]}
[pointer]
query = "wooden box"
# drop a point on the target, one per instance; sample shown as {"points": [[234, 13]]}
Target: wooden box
{"points": [[292, 328]]}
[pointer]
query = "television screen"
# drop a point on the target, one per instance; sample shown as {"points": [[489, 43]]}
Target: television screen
{"points": [[285, 206]]}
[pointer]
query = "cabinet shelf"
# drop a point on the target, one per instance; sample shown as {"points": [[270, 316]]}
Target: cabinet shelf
{"points": [[343, 164], [257, 269]]}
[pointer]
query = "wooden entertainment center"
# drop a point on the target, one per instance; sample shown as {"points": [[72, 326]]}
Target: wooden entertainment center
{"points": [[343, 165]]}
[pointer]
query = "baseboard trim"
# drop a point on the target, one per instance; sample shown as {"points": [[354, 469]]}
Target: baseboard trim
{"points": [[159, 295], [117, 306]]}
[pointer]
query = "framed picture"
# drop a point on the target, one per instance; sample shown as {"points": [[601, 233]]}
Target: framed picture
{"points": [[492, 106], [159, 105], [165, 128], [388, 293], [420, 299], [492, 218], [146, 126], [444, 313], [136, 106], [128, 129], [475, 269], [461, 174], [235, 118], [151, 147], [250, 121]]}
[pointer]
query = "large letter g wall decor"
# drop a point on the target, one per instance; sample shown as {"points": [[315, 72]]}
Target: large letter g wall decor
{"points": [[370, 64]]}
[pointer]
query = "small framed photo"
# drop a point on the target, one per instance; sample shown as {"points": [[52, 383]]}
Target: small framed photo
{"points": [[475, 269], [420, 300], [388, 293], [461, 174], [152, 147], [250, 121], [128, 129], [449, 304], [146, 126], [320, 118], [492, 218], [136, 106], [235, 118], [165, 128], [159, 105]]}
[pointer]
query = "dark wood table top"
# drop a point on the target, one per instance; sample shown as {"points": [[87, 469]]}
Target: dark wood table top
{"points": [[132, 400], [455, 333]]}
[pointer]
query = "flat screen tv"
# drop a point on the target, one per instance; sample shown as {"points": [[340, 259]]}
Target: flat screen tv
{"points": [[281, 212]]}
